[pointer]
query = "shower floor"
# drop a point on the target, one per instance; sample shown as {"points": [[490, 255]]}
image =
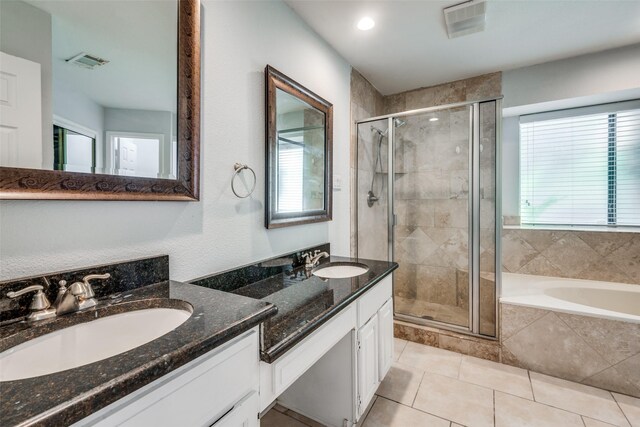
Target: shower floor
{"points": [[432, 311]]}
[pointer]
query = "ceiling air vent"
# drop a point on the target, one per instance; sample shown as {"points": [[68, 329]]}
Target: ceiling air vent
{"points": [[86, 60], [465, 18]]}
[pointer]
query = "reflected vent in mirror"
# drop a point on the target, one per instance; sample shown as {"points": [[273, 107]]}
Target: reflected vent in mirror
{"points": [[86, 60]]}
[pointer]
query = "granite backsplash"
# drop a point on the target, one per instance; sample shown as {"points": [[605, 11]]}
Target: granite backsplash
{"points": [[125, 276]]}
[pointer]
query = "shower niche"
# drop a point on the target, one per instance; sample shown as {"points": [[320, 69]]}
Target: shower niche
{"points": [[426, 198]]}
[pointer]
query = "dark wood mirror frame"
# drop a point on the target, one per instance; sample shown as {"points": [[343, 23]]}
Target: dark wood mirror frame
{"points": [[18, 183], [274, 79]]}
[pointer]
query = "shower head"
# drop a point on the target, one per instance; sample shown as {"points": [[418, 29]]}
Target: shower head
{"points": [[378, 131], [398, 122]]}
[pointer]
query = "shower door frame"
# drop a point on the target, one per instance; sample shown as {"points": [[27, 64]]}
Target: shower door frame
{"points": [[473, 327]]}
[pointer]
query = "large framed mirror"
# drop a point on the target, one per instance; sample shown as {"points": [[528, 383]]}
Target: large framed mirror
{"points": [[299, 128], [100, 99]]}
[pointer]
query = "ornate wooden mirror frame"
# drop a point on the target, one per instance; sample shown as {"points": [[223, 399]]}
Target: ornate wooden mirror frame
{"points": [[274, 80], [18, 183]]}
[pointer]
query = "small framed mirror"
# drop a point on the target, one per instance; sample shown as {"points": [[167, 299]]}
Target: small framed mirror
{"points": [[299, 128]]}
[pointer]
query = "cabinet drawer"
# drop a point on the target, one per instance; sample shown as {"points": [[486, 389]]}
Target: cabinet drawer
{"points": [[372, 300], [243, 414], [197, 395]]}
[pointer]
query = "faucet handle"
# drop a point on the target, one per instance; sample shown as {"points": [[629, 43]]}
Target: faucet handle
{"points": [[88, 289], [39, 301]]}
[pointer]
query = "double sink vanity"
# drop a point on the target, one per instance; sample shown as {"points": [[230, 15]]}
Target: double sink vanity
{"points": [[311, 331]]}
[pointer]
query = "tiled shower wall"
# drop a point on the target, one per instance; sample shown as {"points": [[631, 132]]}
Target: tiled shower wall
{"points": [[366, 102], [595, 255]]}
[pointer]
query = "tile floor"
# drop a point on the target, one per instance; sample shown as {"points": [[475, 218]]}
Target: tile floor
{"points": [[428, 386]]}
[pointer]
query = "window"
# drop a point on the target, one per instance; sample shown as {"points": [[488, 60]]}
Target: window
{"points": [[581, 166], [290, 175]]}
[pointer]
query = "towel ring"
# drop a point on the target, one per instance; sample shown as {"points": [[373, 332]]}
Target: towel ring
{"points": [[239, 167]]}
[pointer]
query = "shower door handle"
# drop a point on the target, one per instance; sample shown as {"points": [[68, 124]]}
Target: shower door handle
{"points": [[395, 220]]}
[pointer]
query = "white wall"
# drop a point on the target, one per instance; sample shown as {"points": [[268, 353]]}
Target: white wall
{"points": [[220, 231], [77, 107], [608, 76]]}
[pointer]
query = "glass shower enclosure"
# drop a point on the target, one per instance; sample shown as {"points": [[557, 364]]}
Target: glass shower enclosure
{"points": [[428, 198]]}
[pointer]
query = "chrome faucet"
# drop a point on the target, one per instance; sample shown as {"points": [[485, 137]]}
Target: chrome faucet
{"points": [[311, 260], [77, 297]]}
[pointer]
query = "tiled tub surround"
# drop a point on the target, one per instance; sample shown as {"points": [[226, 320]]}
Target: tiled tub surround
{"points": [[304, 302], [65, 397], [574, 338], [595, 255]]}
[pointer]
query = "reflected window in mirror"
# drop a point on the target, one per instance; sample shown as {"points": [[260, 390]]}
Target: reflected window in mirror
{"points": [[298, 153], [74, 150]]}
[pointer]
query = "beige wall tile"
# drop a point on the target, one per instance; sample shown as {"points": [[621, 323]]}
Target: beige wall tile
{"points": [[516, 252], [484, 86], [515, 411], [570, 254], [515, 317], [414, 333], [604, 243], [571, 357], [604, 270], [540, 239], [627, 258], [395, 103], [540, 266], [614, 340], [455, 400], [386, 413], [577, 398], [630, 369]]}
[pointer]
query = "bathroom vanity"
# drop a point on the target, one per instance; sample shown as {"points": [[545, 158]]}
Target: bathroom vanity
{"points": [[275, 332]]}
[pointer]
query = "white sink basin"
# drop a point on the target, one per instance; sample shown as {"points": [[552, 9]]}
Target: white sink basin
{"points": [[88, 342], [339, 270]]}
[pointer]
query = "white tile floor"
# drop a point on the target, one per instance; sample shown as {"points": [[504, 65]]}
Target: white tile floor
{"points": [[428, 386]]}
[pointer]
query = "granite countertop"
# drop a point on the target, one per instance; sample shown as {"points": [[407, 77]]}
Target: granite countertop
{"points": [[65, 397], [304, 303]]}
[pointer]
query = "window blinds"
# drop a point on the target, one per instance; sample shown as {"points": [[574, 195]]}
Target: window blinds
{"points": [[290, 178], [581, 166]]}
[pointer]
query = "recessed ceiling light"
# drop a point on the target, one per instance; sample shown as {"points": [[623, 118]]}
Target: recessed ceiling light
{"points": [[433, 119], [366, 23]]}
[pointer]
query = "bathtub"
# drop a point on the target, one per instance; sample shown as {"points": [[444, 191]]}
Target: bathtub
{"points": [[608, 300], [580, 330]]}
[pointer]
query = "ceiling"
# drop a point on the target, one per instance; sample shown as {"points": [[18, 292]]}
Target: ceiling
{"points": [[408, 48], [139, 38]]}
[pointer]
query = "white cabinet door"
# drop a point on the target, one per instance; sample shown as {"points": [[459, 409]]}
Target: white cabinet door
{"points": [[367, 363], [385, 338], [244, 414]]}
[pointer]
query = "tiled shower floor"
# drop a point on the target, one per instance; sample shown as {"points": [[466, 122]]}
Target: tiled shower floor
{"points": [[428, 386], [440, 312]]}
